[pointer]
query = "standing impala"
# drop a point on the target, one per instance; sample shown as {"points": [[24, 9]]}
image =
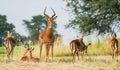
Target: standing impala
{"points": [[9, 45], [77, 46], [46, 36], [114, 46]]}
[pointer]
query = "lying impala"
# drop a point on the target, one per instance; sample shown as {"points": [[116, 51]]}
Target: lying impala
{"points": [[77, 46], [27, 56]]}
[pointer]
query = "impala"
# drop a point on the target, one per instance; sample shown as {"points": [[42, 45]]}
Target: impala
{"points": [[114, 46], [27, 54], [46, 36], [9, 44], [77, 46]]}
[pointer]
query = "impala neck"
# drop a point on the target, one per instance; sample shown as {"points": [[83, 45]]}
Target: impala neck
{"points": [[86, 46], [9, 35], [49, 27], [49, 32]]}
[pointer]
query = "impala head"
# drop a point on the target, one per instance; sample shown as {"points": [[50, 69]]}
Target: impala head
{"points": [[50, 19], [28, 48], [9, 34], [80, 38], [89, 44], [114, 35]]}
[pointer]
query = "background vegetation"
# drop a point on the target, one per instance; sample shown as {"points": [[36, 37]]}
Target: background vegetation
{"points": [[89, 16]]}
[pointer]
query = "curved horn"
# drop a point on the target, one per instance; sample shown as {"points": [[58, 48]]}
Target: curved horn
{"points": [[45, 14], [53, 12]]}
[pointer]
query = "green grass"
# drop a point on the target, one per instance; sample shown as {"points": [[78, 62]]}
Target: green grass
{"points": [[96, 49], [2, 50], [19, 51]]}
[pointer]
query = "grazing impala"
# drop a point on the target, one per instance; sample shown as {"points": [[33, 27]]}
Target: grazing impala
{"points": [[77, 46], [114, 46], [47, 37], [9, 45]]}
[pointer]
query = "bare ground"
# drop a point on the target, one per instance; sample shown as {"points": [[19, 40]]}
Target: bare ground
{"points": [[63, 63]]}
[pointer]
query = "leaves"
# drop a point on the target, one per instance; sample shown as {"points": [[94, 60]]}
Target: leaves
{"points": [[94, 15], [4, 27]]}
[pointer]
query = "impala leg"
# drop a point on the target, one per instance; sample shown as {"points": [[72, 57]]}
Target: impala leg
{"points": [[74, 55], [78, 55], [8, 57], [47, 52], [10, 53], [86, 51], [41, 49], [116, 55], [112, 54], [52, 47], [81, 54]]}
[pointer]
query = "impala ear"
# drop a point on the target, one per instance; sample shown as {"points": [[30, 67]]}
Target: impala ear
{"points": [[46, 17], [77, 36], [55, 17], [113, 35], [31, 49], [82, 35]]}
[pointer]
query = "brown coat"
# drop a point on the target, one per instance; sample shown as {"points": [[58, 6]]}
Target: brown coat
{"points": [[46, 36], [114, 43]]}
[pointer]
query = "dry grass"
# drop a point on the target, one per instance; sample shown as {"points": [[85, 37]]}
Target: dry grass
{"points": [[65, 63], [58, 51]]}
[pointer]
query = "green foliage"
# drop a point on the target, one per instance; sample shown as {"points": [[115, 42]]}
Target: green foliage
{"points": [[4, 27], [90, 16], [35, 25], [19, 38]]}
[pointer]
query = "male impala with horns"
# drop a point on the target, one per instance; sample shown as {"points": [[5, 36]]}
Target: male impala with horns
{"points": [[46, 36]]}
